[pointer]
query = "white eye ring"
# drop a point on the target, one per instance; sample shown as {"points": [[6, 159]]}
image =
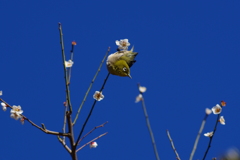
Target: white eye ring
{"points": [[124, 69]]}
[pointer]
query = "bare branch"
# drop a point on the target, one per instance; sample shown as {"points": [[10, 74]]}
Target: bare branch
{"points": [[174, 149], [91, 141], [198, 137], [64, 67], [149, 126], [64, 144], [64, 122], [90, 86]]}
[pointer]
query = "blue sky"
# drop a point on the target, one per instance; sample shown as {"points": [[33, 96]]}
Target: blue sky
{"points": [[188, 60]]}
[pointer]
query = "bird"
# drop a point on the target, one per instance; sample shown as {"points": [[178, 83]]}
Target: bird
{"points": [[120, 62]]}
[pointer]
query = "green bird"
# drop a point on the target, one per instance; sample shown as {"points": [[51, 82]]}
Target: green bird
{"points": [[119, 63]]}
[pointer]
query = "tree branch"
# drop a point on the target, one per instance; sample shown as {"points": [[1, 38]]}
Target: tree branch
{"points": [[173, 147], [90, 86], [91, 141], [41, 128]]}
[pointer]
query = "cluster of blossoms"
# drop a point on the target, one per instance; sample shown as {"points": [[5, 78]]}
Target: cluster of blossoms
{"points": [[16, 111], [217, 109], [141, 90], [122, 44]]}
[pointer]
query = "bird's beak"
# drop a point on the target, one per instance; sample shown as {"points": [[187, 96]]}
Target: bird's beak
{"points": [[129, 76]]}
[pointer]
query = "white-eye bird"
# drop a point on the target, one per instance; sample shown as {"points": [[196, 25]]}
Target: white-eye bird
{"points": [[119, 63]]}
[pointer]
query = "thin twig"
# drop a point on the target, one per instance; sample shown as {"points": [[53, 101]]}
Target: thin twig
{"points": [[102, 125], [64, 144], [41, 128], [90, 113], [64, 67], [149, 127], [173, 147], [91, 141], [90, 86], [198, 137], [64, 122], [70, 69], [210, 141]]}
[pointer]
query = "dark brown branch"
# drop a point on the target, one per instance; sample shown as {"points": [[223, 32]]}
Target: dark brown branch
{"points": [[41, 128], [71, 137], [64, 144]]}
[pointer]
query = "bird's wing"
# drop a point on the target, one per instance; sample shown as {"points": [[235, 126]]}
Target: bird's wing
{"points": [[112, 58], [129, 57]]}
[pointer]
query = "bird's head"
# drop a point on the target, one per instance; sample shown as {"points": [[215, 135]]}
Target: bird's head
{"points": [[122, 69]]}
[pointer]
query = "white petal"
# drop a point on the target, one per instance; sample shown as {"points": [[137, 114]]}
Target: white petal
{"points": [[142, 89], [222, 120], [208, 134], [117, 42], [0, 93], [138, 98], [68, 63], [93, 144], [208, 111], [4, 108], [3, 104], [217, 109]]}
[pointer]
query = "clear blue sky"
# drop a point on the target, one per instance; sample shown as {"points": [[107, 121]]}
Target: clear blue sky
{"points": [[188, 59]]}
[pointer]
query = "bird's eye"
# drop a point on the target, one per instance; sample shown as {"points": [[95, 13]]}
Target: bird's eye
{"points": [[124, 69]]}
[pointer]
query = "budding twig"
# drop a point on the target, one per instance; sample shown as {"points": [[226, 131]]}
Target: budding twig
{"points": [[210, 141], [102, 125], [65, 70], [91, 141]]}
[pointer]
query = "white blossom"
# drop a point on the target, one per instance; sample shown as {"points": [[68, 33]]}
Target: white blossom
{"points": [[98, 96], [138, 98], [4, 106], [142, 89], [68, 63], [208, 134], [123, 44], [93, 145], [16, 112], [208, 111], [217, 109]]}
